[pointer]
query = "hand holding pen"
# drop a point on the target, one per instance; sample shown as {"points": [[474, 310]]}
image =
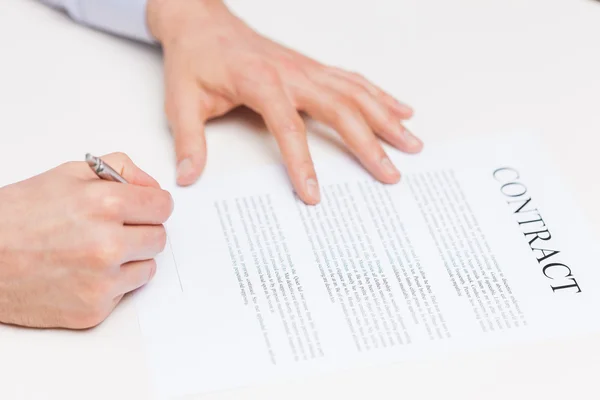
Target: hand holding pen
{"points": [[83, 242]]}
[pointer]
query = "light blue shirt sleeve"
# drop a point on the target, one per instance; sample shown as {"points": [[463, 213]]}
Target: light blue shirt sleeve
{"points": [[121, 17]]}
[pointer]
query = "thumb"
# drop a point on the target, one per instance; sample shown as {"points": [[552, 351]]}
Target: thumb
{"points": [[121, 163], [186, 115]]}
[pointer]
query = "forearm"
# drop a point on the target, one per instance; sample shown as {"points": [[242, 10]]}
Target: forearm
{"points": [[121, 17]]}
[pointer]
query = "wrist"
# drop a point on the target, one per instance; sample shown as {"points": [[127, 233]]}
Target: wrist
{"points": [[164, 17]]}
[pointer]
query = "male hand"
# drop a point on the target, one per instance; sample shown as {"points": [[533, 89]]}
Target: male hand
{"points": [[214, 62], [71, 245]]}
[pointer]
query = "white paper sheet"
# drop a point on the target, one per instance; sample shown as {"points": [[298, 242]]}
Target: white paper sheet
{"points": [[479, 245]]}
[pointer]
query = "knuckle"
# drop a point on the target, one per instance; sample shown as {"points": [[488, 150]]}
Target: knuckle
{"points": [[100, 200], [343, 111], [369, 146], [120, 156], [208, 104], [260, 72], [92, 194], [372, 146], [358, 77], [268, 75], [292, 125], [71, 165], [358, 93], [97, 294], [93, 309], [291, 66], [92, 299], [385, 98], [391, 120], [110, 205], [332, 69], [106, 253], [91, 197]]}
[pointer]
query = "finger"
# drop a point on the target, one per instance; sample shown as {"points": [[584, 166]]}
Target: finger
{"points": [[337, 112], [133, 205], [283, 120], [186, 116], [121, 163], [136, 274], [142, 242], [404, 111], [378, 115]]}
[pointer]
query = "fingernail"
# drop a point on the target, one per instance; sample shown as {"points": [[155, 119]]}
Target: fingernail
{"points": [[388, 167], [312, 188], [402, 108], [184, 168], [411, 139]]}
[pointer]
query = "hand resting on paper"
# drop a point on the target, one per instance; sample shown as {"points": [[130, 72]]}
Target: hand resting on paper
{"points": [[71, 245], [214, 62]]}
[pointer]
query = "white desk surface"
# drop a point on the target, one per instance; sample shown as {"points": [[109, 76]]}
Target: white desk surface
{"points": [[469, 67]]}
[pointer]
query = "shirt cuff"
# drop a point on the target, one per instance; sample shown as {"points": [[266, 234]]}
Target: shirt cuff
{"points": [[121, 17]]}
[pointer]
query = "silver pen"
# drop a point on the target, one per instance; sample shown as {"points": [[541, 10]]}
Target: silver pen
{"points": [[103, 170]]}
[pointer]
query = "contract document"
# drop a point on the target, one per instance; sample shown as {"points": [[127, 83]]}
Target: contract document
{"points": [[479, 245]]}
